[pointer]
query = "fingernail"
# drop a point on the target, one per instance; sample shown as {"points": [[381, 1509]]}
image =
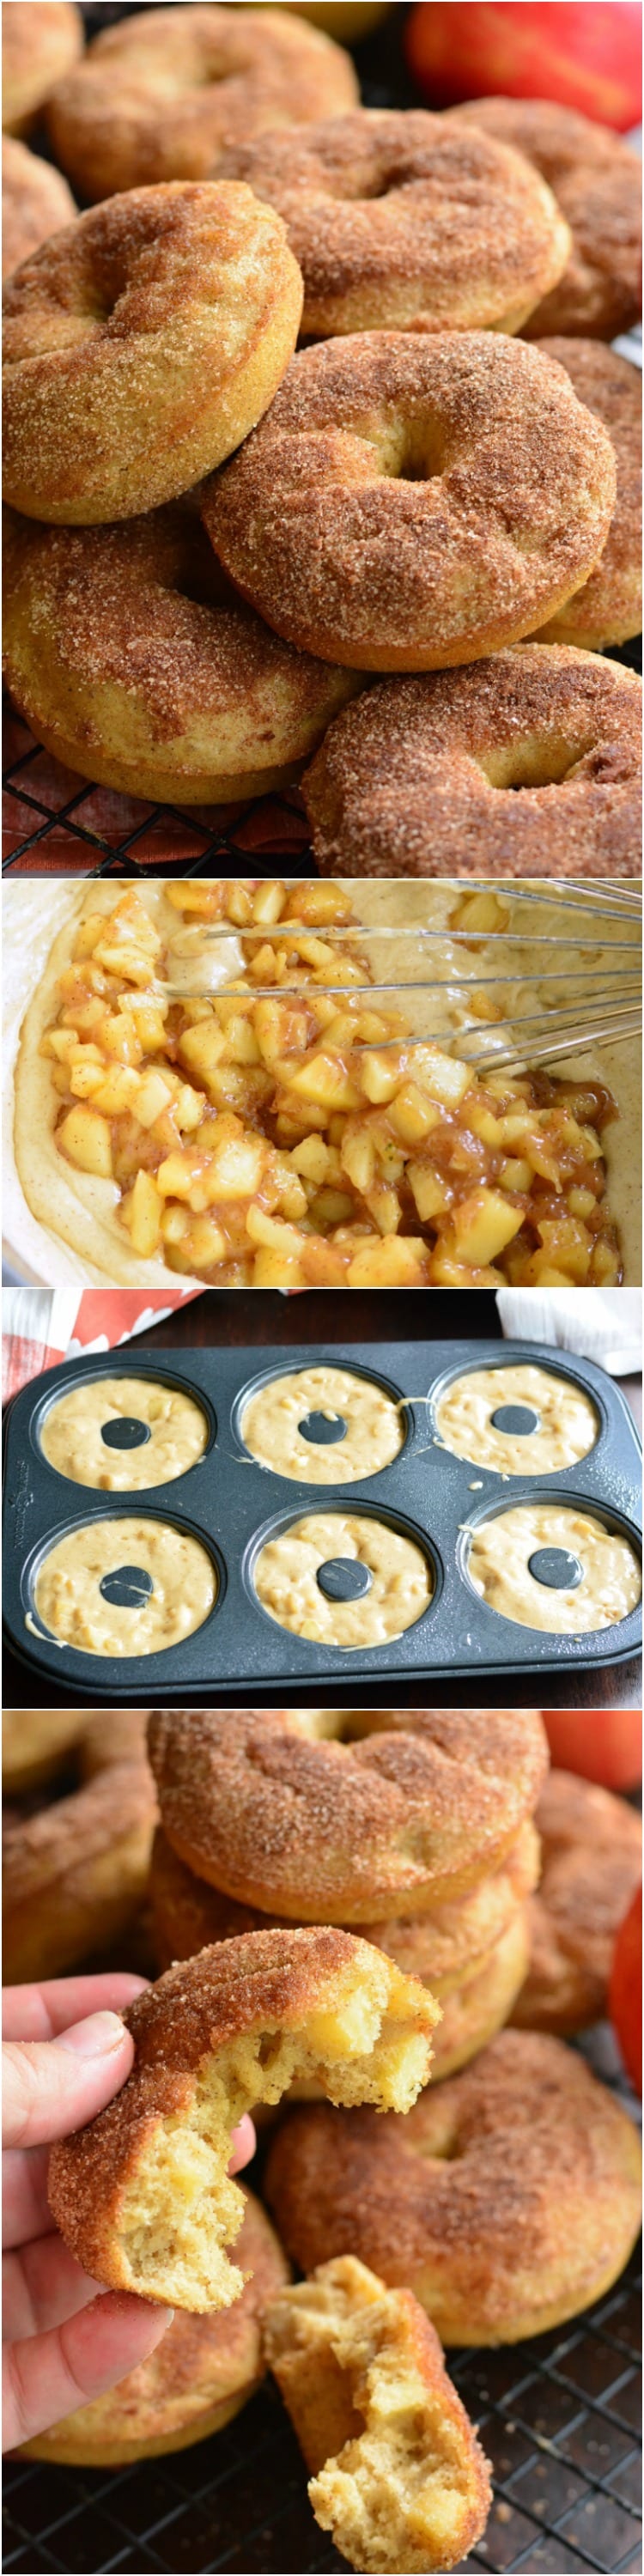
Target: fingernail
{"points": [[96, 2037]]}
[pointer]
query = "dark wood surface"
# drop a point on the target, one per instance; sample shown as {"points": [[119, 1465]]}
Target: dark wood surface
{"points": [[320, 1318]]}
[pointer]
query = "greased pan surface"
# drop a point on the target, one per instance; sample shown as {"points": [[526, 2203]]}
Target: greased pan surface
{"points": [[233, 1505]]}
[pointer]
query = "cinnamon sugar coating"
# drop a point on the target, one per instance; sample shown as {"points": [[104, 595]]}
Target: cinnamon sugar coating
{"points": [[161, 94], [525, 764], [345, 1830], [198, 2377], [40, 41], [609, 607], [36, 201], [591, 1866], [597, 182], [140, 346], [413, 501], [507, 2200], [400, 220], [75, 1873], [134, 661]]}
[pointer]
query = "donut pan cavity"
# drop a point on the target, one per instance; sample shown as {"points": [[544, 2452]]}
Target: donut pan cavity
{"points": [[233, 1506]]}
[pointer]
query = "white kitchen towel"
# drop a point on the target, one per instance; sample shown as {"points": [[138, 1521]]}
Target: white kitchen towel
{"points": [[601, 1324]]}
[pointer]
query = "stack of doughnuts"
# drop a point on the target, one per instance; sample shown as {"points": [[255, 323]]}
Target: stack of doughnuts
{"points": [[75, 1870], [446, 467], [416, 1829]]}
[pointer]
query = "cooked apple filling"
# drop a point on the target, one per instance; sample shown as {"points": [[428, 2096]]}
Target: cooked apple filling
{"points": [[281, 1135]]}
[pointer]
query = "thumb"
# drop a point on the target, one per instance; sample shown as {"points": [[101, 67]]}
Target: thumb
{"points": [[53, 2086]]}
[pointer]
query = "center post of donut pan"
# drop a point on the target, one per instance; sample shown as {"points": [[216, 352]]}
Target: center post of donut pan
{"points": [[233, 1506]]}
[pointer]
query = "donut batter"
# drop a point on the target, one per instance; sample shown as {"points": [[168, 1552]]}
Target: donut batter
{"points": [[374, 1432], [286, 1580], [499, 1568], [72, 1434], [566, 1427], [70, 1603]]}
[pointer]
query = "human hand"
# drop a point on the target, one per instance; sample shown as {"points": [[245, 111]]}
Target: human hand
{"points": [[66, 2339]]}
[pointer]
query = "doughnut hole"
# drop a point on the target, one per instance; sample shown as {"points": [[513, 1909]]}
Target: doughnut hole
{"points": [[536, 760]]}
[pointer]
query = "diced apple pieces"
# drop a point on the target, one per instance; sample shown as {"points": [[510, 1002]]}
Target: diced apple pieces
{"points": [[358, 1157], [312, 1159], [265, 1229], [204, 1243], [117, 1036], [443, 1076], [154, 1095], [118, 1091], [142, 1210], [384, 1206], [201, 1048], [481, 1225], [413, 1115], [272, 1270], [394, 1262], [431, 1194], [330, 1208], [86, 1137], [321, 1078]]}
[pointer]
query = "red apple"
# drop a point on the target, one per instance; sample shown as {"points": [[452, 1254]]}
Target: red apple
{"points": [[587, 55], [603, 1744], [625, 1997]]}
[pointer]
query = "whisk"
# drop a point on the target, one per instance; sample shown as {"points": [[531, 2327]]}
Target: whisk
{"points": [[467, 989]]}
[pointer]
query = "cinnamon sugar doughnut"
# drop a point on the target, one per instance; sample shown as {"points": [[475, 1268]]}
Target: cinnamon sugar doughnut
{"points": [[36, 201], [143, 2196], [140, 346], [75, 1872], [591, 1866], [415, 501], [35, 1742], [40, 41], [161, 94], [135, 663], [608, 609], [508, 2199], [202, 2372], [527, 764], [404, 1818], [398, 219], [597, 182]]}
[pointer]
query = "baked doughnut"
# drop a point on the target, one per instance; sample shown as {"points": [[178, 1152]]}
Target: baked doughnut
{"points": [[415, 501], [140, 346], [161, 94], [400, 221], [608, 609], [361, 2371], [143, 2196], [501, 1555], [597, 182], [396, 1580], [134, 662], [271, 1426], [40, 41], [36, 201], [74, 1874], [472, 2013], [89, 1595], [591, 1848], [406, 1818], [508, 2201], [200, 2375], [407, 781], [72, 1433], [34, 1744], [565, 1425]]}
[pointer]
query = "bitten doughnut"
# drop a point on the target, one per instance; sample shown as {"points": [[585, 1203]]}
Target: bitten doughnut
{"points": [[200, 2375], [608, 609], [270, 1426], [508, 2201], [527, 764], [399, 220], [36, 201], [415, 501], [398, 2477], [134, 662], [591, 1847], [140, 346], [409, 1816], [131, 1617], [597, 182], [72, 1433], [499, 1563], [40, 41], [161, 94], [565, 1428], [400, 1579], [143, 2196], [74, 1874]]}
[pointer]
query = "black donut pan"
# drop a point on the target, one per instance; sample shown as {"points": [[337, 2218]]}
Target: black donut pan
{"points": [[233, 1505]]}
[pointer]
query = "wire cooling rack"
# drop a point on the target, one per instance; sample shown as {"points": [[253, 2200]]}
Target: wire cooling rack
{"points": [[559, 2419]]}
